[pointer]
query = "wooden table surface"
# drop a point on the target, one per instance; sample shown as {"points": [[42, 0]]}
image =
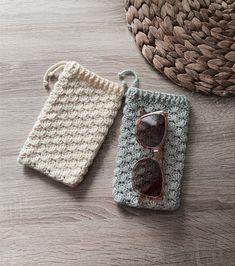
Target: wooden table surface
{"points": [[45, 223]]}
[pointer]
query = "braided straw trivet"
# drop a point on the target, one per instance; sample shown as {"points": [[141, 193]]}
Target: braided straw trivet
{"points": [[191, 41]]}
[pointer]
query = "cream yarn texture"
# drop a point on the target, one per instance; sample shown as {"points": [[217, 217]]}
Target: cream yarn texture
{"points": [[72, 124]]}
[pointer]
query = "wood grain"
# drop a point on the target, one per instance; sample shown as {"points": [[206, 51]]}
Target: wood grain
{"points": [[45, 223]]}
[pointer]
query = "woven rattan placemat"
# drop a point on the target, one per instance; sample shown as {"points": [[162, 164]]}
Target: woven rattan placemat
{"points": [[191, 41]]}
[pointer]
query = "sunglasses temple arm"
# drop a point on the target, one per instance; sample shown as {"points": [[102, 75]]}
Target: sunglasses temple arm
{"points": [[142, 111]]}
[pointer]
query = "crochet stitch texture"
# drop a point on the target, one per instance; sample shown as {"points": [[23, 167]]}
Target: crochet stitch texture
{"points": [[129, 151], [72, 125]]}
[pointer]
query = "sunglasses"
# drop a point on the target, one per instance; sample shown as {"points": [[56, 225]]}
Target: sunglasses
{"points": [[147, 174]]}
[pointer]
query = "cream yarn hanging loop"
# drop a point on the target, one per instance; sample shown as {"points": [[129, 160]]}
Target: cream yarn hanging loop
{"points": [[191, 41]]}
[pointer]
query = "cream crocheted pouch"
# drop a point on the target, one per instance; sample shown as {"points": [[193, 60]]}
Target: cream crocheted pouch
{"points": [[129, 150], [72, 124]]}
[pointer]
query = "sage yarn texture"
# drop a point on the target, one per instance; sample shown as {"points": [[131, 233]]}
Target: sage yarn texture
{"points": [[72, 124], [129, 151], [192, 42]]}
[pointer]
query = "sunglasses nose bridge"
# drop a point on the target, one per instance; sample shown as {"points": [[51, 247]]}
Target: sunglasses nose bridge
{"points": [[158, 154]]}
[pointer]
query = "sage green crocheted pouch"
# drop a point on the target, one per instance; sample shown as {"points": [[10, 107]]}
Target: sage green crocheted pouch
{"points": [[129, 151]]}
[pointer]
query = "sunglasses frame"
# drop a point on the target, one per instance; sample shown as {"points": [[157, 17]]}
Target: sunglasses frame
{"points": [[158, 152]]}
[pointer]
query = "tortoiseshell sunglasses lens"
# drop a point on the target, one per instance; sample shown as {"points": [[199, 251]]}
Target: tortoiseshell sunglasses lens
{"points": [[151, 129], [147, 177]]}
